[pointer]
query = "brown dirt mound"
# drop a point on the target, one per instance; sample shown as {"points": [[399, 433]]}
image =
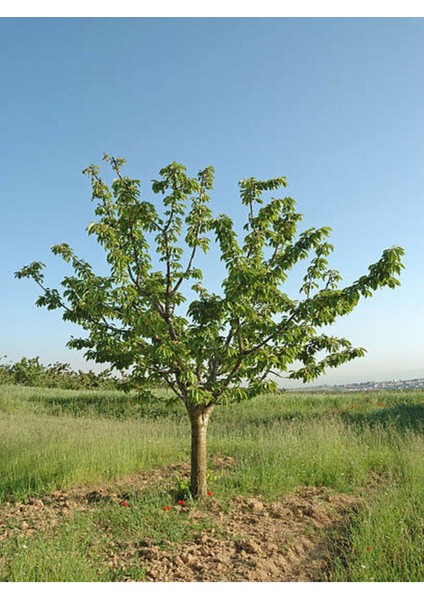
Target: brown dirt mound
{"points": [[277, 541], [253, 540]]}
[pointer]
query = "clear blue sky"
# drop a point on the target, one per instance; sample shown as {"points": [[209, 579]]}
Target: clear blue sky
{"points": [[335, 105]]}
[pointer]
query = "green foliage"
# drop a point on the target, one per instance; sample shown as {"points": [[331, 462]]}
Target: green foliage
{"points": [[135, 317], [30, 372], [182, 489]]}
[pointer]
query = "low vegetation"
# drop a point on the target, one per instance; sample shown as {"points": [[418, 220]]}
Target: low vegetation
{"points": [[31, 372], [85, 477]]}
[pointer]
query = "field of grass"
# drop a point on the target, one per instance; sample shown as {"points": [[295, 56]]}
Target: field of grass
{"points": [[55, 439]]}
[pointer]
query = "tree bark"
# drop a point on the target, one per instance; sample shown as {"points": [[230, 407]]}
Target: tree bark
{"points": [[199, 419]]}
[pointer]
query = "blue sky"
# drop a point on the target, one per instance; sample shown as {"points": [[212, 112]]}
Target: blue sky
{"points": [[335, 105]]}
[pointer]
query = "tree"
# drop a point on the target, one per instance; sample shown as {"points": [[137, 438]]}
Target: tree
{"points": [[218, 347]]}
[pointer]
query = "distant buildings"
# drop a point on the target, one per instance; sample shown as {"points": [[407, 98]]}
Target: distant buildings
{"points": [[395, 384]]}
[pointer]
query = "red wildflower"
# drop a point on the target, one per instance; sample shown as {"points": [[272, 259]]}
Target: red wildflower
{"points": [[368, 548], [166, 508], [181, 502], [124, 503], [210, 494]]}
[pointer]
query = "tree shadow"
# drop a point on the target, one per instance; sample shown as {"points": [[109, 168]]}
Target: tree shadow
{"points": [[401, 416], [113, 406]]}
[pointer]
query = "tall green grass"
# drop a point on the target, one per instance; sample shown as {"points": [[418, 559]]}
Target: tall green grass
{"points": [[385, 541], [40, 452], [53, 439], [284, 441]]}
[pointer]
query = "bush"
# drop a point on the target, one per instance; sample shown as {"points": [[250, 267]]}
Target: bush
{"points": [[31, 372]]}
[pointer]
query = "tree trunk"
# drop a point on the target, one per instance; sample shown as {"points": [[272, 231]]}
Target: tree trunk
{"points": [[199, 418]]}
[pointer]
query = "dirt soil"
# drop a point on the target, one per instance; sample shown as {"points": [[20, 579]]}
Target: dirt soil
{"points": [[285, 540], [276, 541]]}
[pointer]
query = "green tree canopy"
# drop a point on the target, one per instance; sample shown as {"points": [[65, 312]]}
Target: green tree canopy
{"points": [[217, 347]]}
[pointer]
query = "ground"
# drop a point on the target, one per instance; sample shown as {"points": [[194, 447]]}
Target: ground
{"points": [[247, 539], [278, 541]]}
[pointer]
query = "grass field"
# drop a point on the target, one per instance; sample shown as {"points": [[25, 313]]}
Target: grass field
{"points": [[56, 440]]}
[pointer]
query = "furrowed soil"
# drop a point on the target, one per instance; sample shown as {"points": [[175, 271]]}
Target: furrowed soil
{"points": [[246, 539]]}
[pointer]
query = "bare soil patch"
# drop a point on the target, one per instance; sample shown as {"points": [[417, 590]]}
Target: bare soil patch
{"points": [[253, 540], [277, 541]]}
